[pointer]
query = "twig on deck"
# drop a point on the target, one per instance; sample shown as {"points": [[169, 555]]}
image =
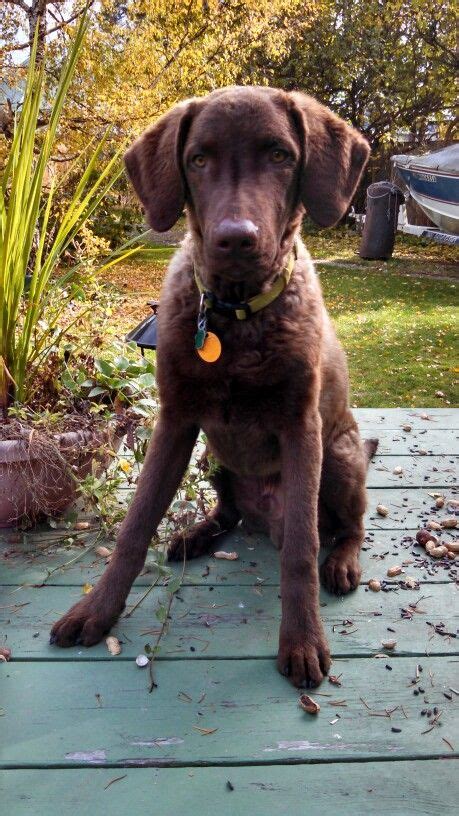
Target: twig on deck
{"points": [[73, 560], [141, 599], [164, 626], [116, 779]]}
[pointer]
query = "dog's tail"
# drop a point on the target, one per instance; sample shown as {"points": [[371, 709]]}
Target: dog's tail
{"points": [[371, 446]]}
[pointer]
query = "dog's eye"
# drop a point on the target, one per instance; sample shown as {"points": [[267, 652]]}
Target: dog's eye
{"points": [[277, 155], [199, 160]]}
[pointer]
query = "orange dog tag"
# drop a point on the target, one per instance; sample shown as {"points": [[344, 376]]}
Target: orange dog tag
{"points": [[211, 348]]}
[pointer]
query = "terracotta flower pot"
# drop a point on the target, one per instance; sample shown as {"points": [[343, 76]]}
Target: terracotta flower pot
{"points": [[41, 478]]}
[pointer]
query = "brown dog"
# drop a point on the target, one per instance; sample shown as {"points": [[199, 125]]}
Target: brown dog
{"points": [[247, 162]]}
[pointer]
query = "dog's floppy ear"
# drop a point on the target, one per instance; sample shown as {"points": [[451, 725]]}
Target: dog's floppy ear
{"points": [[153, 164], [334, 156]]}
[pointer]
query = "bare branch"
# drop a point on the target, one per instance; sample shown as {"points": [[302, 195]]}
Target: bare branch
{"points": [[21, 46], [21, 5]]}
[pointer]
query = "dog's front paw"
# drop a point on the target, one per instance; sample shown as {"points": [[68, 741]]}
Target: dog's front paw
{"points": [[304, 658], [84, 624], [193, 542], [340, 573]]}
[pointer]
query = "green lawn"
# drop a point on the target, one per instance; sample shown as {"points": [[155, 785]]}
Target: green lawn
{"points": [[398, 333], [395, 321]]}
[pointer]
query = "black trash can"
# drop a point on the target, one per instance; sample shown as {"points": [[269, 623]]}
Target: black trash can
{"points": [[383, 203]]}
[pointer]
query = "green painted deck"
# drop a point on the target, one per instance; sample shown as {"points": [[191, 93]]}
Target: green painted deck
{"points": [[222, 733]]}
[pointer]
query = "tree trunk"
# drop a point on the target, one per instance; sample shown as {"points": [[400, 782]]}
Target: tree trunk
{"points": [[37, 19]]}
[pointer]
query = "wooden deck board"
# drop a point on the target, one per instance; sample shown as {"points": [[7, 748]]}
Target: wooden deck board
{"points": [[65, 712], [101, 713], [396, 441], [235, 622], [395, 418], [419, 470], [399, 443], [24, 563], [418, 788]]}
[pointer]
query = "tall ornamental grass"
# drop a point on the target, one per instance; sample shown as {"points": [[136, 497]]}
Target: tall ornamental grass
{"points": [[28, 241]]}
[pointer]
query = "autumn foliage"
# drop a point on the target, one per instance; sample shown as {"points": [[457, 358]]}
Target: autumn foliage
{"points": [[384, 65]]}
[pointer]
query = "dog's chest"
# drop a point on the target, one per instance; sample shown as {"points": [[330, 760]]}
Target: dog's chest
{"points": [[242, 425]]}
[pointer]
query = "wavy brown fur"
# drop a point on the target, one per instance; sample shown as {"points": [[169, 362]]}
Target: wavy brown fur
{"points": [[275, 406]]}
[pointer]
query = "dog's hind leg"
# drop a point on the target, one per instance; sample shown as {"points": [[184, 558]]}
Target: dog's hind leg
{"points": [[343, 496], [200, 538]]}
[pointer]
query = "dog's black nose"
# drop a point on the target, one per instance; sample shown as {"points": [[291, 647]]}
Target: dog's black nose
{"points": [[235, 237]]}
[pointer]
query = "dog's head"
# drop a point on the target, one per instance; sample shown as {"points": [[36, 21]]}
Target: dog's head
{"points": [[246, 162]]}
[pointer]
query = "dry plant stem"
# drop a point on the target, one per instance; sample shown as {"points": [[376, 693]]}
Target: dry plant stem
{"points": [[142, 598], [164, 625], [59, 539], [112, 781], [76, 558], [54, 468]]}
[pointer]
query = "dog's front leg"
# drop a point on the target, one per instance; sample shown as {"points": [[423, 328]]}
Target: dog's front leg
{"points": [[167, 458], [303, 650]]}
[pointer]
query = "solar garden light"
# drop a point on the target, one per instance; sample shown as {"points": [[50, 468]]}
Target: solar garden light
{"points": [[146, 333]]}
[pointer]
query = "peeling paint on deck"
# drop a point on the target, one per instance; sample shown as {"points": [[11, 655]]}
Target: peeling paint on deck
{"points": [[159, 742], [304, 745], [87, 756]]}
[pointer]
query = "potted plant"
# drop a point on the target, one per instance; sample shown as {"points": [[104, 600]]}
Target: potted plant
{"points": [[48, 444]]}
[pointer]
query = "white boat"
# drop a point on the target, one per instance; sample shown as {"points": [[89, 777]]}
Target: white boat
{"points": [[432, 181]]}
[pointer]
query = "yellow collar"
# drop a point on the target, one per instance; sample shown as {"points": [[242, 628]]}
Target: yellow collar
{"points": [[244, 310]]}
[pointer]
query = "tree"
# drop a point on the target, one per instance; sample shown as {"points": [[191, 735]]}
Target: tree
{"points": [[142, 56], [383, 65], [43, 17], [21, 21], [146, 55]]}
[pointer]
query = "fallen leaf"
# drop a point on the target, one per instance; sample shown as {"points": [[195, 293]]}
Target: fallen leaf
{"points": [[87, 589]]}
